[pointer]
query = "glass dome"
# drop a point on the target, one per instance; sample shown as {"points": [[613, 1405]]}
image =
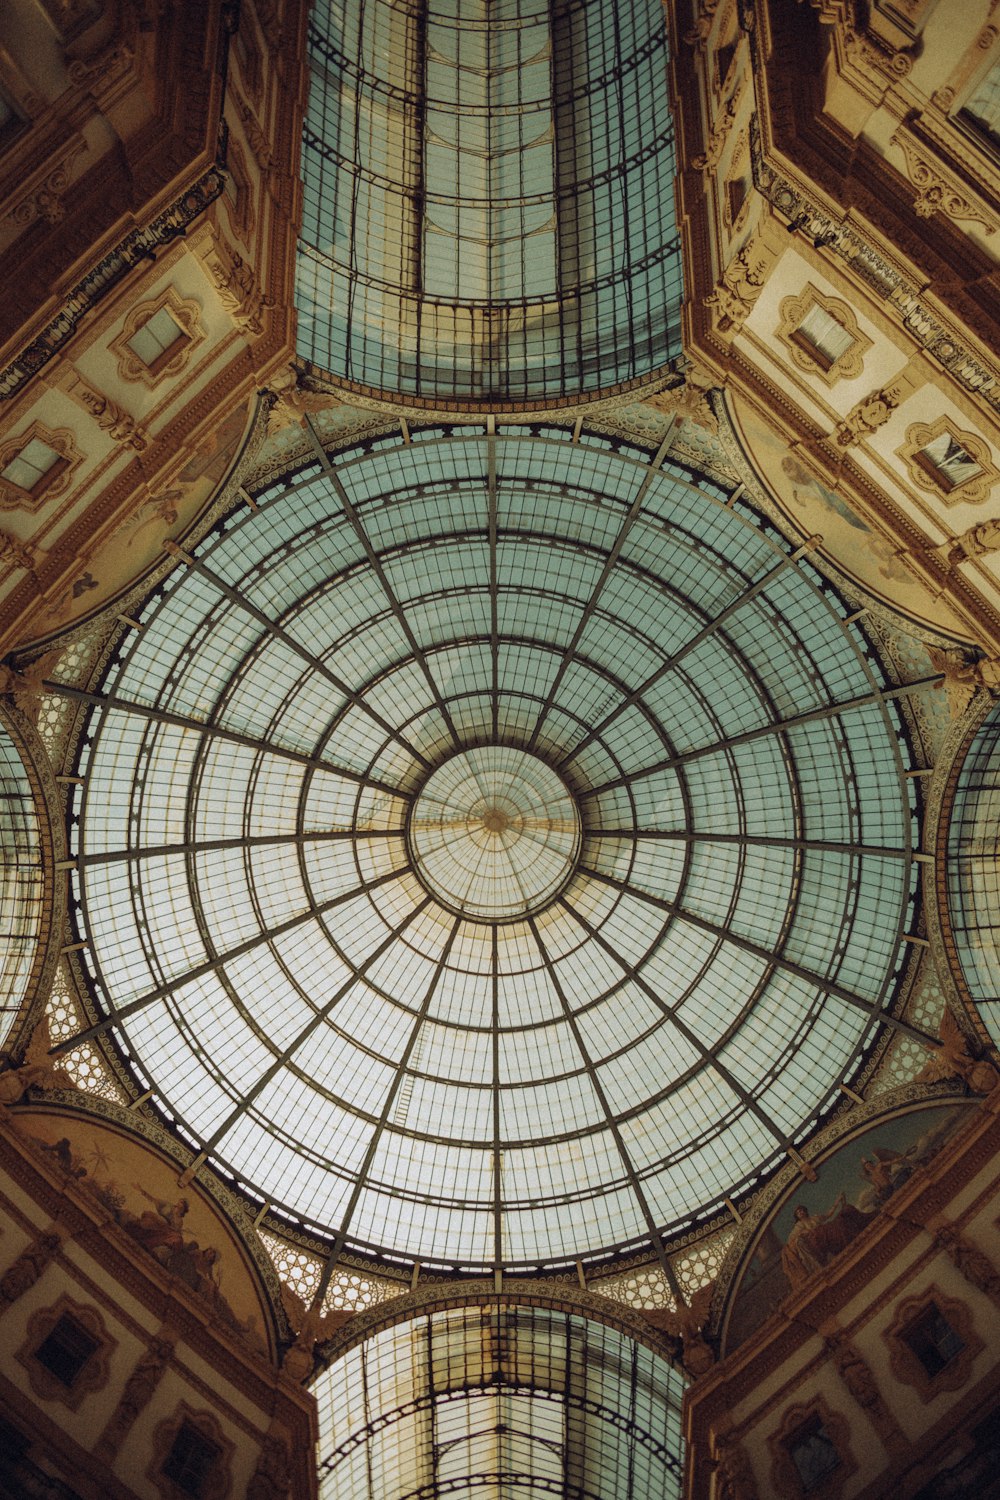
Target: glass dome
{"points": [[502, 1402], [973, 885], [488, 199], [494, 849], [22, 883]]}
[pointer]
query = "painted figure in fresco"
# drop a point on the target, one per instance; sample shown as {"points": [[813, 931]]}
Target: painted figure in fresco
{"points": [[160, 1232], [815, 1239]]}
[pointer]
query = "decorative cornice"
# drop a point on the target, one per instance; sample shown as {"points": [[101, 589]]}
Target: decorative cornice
{"points": [[940, 341], [138, 246]]}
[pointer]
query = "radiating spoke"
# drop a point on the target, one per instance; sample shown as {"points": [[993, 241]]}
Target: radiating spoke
{"points": [[279, 633], [219, 732], [390, 1099], [632, 515], [375, 563], [782, 726], [199, 971], [824, 984]]}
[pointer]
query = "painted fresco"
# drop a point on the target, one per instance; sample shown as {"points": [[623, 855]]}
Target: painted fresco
{"points": [[854, 545], [820, 1219], [176, 1227]]}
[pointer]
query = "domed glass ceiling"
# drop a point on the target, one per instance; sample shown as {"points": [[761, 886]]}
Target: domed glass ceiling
{"points": [[974, 871], [22, 883], [494, 849], [488, 198], [505, 1403]]}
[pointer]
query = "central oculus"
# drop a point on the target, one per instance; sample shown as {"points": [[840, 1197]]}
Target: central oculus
{"points": [[494, 833]]}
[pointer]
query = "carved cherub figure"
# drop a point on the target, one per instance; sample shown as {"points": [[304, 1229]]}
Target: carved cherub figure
{"points": [[37, 1068], [686, 1323], [953, 1060]]}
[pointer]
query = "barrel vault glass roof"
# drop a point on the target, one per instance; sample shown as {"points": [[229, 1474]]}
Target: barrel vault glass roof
{"points": [[488, 198], [506, 1403], [472, 641]]}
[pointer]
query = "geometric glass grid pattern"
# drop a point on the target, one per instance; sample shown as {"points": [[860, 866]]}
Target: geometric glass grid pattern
{"points": [[494, 833], [493, 1088], [488, 210], [22, 883], [504, 1403], [974, 871]]}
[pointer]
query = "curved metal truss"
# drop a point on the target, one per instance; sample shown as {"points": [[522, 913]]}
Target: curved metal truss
{"points": [[486, 1088], [511, 1401], [488, 199], [973, 878], [22, 882]]}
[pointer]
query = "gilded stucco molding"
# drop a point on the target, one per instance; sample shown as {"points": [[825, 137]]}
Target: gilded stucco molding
{"points": [[942, 341], [938, 190]]}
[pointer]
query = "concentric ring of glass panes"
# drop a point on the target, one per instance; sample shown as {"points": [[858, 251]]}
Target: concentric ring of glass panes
{"points": [[499, 1401], [22, 882], [423, 1084], [494, 833], [974, 871]]}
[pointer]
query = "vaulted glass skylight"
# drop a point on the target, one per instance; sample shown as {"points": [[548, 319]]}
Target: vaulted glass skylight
{"points": [[494, 849], [488, 209], [506, 1403]]}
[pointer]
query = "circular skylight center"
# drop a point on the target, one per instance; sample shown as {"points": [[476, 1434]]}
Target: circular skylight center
{"points": [[494, 834]]}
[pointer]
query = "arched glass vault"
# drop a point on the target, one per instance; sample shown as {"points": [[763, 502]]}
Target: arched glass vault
{"points": [[22, 882], [500, 1401], [488, 199], [494, 848]]}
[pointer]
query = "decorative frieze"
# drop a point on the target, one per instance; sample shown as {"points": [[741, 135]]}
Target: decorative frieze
{"points": [[938, 191]]}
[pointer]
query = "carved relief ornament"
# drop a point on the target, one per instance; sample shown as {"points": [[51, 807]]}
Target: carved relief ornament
{"points": [[62, 443], [937, 191], [43, 198], [187, 315], [972, 491], [739, 287]]}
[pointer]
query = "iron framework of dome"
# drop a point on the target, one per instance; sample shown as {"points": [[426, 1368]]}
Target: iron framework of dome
{"points": [[488, 200], [973, 883], [494, 848], [500, 1401]]}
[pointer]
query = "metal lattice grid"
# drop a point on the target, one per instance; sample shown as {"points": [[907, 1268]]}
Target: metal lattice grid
{"points": [[22, 883], [974, 871], [489, 198], [509, 1402], [420, 1082]]}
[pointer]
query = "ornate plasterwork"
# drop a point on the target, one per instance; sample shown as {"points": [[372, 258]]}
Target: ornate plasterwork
{"points": [[93, 1376], [103, 277], [971, 491], [218, 1482], [739, 287], [237, 286], [937, 190], [904, 298], [61, 441], [187, 314], [42, 197], [906, 1366], [791, 313], [784, 1474]]}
